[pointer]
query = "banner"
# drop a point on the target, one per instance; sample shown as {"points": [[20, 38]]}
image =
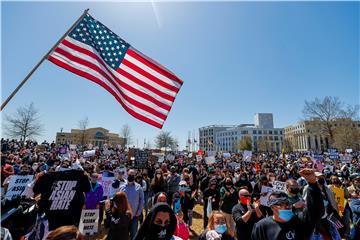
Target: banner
{"points": [[17, 185], [89, 221]]}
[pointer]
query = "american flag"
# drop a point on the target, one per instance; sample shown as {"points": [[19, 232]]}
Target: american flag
{"points": [[143, 87]]}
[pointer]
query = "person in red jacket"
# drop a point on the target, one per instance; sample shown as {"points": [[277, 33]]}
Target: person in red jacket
{"points": [[182, 229]]}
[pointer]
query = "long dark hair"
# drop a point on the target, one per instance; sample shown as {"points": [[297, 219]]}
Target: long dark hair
{"points": [[121, 204], [145, 231]]}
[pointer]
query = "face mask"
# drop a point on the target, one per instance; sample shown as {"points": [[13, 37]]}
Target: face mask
{"points": [[182, 188], [321, 181], [131, 178], [244, 200], [220, 228], [326, 203], [243, 178], [24, 172], [286, 215], [159, 231]]}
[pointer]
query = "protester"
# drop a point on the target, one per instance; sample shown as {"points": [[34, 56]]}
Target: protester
{"points": [[218, 228], [118, 217], [160, 223], [284, 224], [211, 195], [182, 229], [295, 198], [65, 233], [95, 195], [173, 181], [135, 196], [246, 215], [229, 198]]}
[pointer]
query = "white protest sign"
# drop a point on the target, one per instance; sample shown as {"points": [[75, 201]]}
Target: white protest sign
{"points": [[89, 153], [198, 158], [17, 185], [210, 160], [170, 157], [106, 182], [89, 221], [226, 155], [345, 158], [349, 150], [279, 186], [264, 195], [190, 155], [211, 153], [247, 155], [161, 159]]}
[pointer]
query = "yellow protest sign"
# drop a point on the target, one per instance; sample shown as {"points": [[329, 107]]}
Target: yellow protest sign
{"points": [[339, 198]]}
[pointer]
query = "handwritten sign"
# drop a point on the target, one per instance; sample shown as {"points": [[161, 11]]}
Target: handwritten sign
{"points": [[17, 185], [89, 221], [141, 158], [279, 186]]}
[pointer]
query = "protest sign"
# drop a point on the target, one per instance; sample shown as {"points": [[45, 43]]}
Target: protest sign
{"points": [[226, 155], [211, 153], [89, 221], [279, 186], [170, 157], [161, 159], [89, 153], [333, 154], [17, 185], [346, 158], [106, 182], [210, 160], [190, 155], [198, 158], [264, 195], [141, 158], [63, 150], [247, 155], [339, 198], [349, 150]]}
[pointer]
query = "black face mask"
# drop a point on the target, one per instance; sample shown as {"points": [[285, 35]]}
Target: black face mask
{"points": [[321, 181], [131, 178], [23, 173], [160, 232], [294, 190]]}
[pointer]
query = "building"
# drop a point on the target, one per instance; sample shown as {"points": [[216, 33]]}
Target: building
{"points": [[207, 136], [226, 138], [96, 136], [306, 136]]}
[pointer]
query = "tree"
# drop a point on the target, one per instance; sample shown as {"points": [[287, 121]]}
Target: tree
{"points": [[24, 124], [245, 143], [165, 140], [83, 124], [263, 145], [347, 136], [324, 113], [287, 146], [126, 134]]}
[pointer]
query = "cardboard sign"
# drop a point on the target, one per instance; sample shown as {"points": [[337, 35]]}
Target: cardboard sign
{"points": [[106, 182], [210, 160], [264, 195], [279, 186], [17, 185], [247, 155], [89, 153], [89, 221]]}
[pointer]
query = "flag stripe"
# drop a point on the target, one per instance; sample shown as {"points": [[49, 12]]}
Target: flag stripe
{"points": [[146, 88], [129, 62], [101, 83], [149, 107], [155, 67]]}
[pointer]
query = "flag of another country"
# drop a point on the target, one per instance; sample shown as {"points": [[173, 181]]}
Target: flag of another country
{"points": [[143, 87]]}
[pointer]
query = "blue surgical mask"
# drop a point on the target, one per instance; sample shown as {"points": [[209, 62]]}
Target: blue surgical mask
{"points": [[286, 214], [326, 203], [220, 228]]}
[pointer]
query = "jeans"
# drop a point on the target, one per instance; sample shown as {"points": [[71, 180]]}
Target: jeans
{"points": [[133, 228]]}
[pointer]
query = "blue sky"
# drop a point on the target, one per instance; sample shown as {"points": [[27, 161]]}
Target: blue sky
{"points": [[236, 59]]}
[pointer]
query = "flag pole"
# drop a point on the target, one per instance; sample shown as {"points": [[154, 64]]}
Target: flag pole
{"points": [[42, 60]]}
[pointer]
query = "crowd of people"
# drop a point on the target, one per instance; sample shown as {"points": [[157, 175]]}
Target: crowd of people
{"points": [[318, 197]]}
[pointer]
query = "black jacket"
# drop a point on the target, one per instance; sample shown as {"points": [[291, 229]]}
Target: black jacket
{"points": [[118, 225], [299, 227]]}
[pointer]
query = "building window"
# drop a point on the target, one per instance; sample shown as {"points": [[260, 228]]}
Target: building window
{"points": [[254, 131], [281, 132], [259, 132], [270, 132], [275, 132]]}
